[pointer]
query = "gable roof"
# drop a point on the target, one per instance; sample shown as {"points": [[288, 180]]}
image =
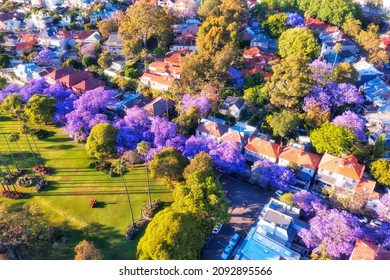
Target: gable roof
{"points": [[252, 52], [174, 56], [75, 78], [88, 84], [82, 35], [164, 80], [158, 106], [59, 73], [300, 157], [213, 128], [235, 136], [367, 251], [347, 166], [233, 100], [263, 147]]}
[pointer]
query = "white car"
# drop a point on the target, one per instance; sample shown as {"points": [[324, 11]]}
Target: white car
{"points": [[217, 229], [226, 253], [234, 240], [376, 223], [279, 193], [363, 220]]}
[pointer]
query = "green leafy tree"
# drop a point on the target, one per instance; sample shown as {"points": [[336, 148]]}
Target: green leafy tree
{"points": [[379, 147], [345, 73], [291, 82], [275, 25], [106, 27], [255, 96], [40, 109], [283, 123], [72, 63], [3, 82], [88, 61], [101, 141], [287, 198], [352, 26], [188, 121], [171, 235], [4, 60], [333, 139], [104, 60], [12, 104], [299, 40], [168, 165], [143, 21], [87, 251], [209, 8], [201, 165], [26, 233], [380, 170]]}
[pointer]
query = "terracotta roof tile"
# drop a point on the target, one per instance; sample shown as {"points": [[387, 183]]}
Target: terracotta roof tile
{"points": [[213, 128], [75, 78], [158, 106], [251, 52], [59, 73], [367, 251], [300, 157], [263, 147], [234, 136], [347, 166], [88, 84], [164, 80]]}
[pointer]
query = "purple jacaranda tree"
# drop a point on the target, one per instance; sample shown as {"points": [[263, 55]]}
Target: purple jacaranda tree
{"points": [[34, 86], [138, 120], [332, 231], [126, 139], [194, 145], [353, 122], [269, 174], [59, 92], [378, 235], [236, 78], [90, 109], [89, 50], [295, 20], [308, 203], [163, 130], [9, 89], [382, 208], [332, 96], [199, 102], [44, 57], [227, 157], [321, 70]]}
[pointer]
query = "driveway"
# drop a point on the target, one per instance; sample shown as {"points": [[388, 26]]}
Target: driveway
{"points": [[245, 204]]}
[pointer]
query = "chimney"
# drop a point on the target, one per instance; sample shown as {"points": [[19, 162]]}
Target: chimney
{"points": [[342, 160], [301, 150]]}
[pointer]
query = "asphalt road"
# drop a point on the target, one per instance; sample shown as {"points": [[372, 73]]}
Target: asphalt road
{"points": [[245, 204]]}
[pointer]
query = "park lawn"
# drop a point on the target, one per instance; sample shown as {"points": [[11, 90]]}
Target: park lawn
{"points": [[73, 183]]}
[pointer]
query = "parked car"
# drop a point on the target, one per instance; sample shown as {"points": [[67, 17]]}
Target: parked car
{"points": [[376, 223], [217, 229], [363, 219], [226, 253], [233, 242], [279, 193]]}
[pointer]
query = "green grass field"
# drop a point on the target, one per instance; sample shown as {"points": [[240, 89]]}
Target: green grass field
{"points": [[71, 186]]}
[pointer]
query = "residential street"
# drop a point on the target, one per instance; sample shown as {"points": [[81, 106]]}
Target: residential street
{"points": [[246, 202]]}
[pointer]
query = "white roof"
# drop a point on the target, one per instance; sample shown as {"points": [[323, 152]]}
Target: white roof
{"points": [[365, 68]]}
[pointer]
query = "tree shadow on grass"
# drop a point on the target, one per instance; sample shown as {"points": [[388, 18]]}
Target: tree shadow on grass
{"points": [[60, 147]]}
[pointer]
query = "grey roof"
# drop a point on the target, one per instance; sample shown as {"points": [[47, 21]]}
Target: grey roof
{"points": [[232, 100]]}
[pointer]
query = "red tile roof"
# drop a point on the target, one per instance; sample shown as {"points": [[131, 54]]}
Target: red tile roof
{"points": [[300, 157], [347, 166], [367, 251], [174, 56], [365, 189], [164, 80], [59, 73], [263, 147], [158, 106], [75, 78], [88, 84], [82, 35], [28, 41], [251, 52], [257, 70], [213, 128], [234, 136]]}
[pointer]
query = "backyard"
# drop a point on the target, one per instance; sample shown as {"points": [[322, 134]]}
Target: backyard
{"points": [[72, 184]]}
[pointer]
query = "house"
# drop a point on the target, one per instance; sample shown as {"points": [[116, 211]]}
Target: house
{"points": [[157, 82], [261, 41], [114, 46], [232, 106], [10, 42], [164, 69], [184, 42], [62, 40], [326, 31], [328, 48], [26, 43], [385, 44], [274, 236], [159, 107], [88, 84], [366, 70], [41, 21], [74, 78], [57, 74], [235, 136], [87, 37], [11, 21], [25, 71], [173, 57], [185, 8], [342, 172], [378, 92], [365, 250], [260, 149], [251, 53], [212, 128], [306, 162]]}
